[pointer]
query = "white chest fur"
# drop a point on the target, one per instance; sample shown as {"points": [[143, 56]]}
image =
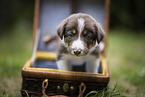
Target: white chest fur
{"points": [[92, 63], [78, 60]]}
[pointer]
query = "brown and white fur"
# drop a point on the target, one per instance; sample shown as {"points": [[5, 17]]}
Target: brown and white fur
{"points": [[78, 42]]}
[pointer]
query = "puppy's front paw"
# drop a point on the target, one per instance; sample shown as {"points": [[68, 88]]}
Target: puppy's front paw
{"points": [[63, 65], [93, 66]]}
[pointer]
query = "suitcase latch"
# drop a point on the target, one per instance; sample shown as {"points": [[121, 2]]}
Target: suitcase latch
{"points": [[65, 87]]}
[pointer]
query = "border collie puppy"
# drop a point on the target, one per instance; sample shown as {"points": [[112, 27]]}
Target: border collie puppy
{"points": [[78, 42]]}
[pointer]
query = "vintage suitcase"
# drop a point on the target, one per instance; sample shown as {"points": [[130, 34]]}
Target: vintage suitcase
{"points": [[40, 75]]}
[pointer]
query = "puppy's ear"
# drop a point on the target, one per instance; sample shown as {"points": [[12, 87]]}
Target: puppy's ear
{"points": [[61, 29], [99, 32]]}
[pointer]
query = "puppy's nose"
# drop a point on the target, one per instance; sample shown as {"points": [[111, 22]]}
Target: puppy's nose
{"points": [[77, 52]]}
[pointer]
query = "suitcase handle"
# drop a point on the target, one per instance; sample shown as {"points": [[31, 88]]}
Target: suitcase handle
{"points": [[44, 86], [81, 92]]}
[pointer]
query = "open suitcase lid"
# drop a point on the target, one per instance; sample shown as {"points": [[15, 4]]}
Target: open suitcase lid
{"points": [[48, 15]]}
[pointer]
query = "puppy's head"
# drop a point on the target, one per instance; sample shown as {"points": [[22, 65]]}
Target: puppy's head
{"points": [[80, 32]]}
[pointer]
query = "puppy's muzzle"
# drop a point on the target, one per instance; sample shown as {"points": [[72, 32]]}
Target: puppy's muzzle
{"points": [[77, 52]]}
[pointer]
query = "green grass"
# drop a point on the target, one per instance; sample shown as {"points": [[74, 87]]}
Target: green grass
{"points": [[126, 60], [125, 57], [107, 92], [15, 50]]}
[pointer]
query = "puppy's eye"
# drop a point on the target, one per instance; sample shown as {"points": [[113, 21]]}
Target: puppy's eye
{"points": [[88, 37], [70, 36]]}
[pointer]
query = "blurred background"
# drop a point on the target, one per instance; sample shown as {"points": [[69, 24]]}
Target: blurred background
{"points": [[125, 52]]}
